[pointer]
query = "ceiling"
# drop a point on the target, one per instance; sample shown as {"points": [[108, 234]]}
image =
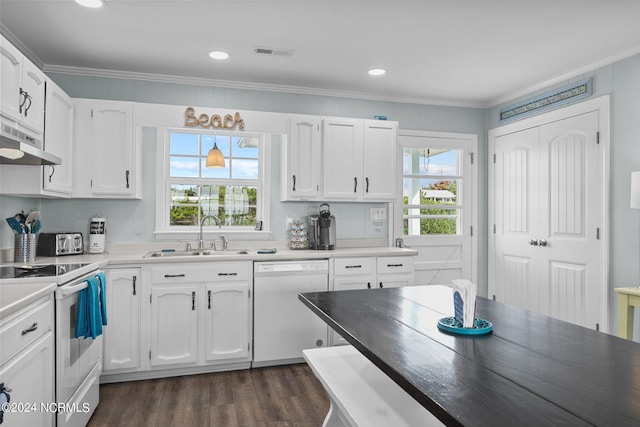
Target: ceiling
{"points": [[474, 53]]}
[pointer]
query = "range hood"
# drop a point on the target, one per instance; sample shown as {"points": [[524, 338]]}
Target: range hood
{"points": [[18, 148]]}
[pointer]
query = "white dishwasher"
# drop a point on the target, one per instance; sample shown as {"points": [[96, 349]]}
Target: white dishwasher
{"points": [[283, 325]]}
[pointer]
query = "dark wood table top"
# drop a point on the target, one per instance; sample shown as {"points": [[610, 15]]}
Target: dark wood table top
{"points": [[530, 371]]}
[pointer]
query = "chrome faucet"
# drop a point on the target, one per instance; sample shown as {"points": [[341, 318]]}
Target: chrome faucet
{"points": [[201, 238]]}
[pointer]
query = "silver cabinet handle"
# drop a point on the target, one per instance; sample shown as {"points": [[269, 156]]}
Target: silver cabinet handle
{"points": [[30, 329]]}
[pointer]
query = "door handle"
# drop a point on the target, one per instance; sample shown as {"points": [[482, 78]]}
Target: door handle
{"points": [[209, 299], [534, 242], [294, 183], [30, 329], [193, 301], [367, 188], [355, 184], [542, 242]]}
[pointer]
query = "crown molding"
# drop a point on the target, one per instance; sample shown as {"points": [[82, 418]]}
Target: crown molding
{"points": [[162, 78]]}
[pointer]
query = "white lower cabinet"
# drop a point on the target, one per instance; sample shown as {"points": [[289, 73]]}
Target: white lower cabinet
{"points": [[122, 334], [370, 273], [200, 313], [27, 364]]}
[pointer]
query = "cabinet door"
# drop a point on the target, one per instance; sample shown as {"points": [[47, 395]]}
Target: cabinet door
{"points": [[227, 321], [33, 82], [302, 159], [30, 377], [380, 160], [394, 281], [11, 80], [112, 149], [122, 334], [342, 154], [59, 140], [174, 324]]}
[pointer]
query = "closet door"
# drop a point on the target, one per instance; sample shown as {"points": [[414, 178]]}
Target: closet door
{"points": [[517, 194], [545, 218], [568, 229]]}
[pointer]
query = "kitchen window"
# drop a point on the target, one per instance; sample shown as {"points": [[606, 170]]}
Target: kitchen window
{"points": [[188, 191]]}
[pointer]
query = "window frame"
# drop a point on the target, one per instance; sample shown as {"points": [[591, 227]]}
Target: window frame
{"points": [[163, 229]]}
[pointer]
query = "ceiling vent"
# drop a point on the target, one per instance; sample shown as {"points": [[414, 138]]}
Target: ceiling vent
{"points": [[261, 50]]}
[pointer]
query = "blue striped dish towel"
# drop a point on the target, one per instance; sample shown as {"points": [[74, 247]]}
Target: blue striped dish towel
{"points": [[92, 308]]}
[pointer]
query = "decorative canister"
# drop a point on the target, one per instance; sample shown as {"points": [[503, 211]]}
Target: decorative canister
{"points": [[24, 249]]}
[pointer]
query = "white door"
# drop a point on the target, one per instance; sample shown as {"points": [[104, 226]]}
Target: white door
{"points": [[547, 204], [33, 82], [59, 140], [10, 81], [380, 144], [304, 157], [342, 147], [112, 171], [122, 334], [227, 321], [437, 213], [174, 324]]}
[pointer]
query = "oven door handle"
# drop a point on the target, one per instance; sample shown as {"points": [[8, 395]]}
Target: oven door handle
{"points": [[68, 290]]}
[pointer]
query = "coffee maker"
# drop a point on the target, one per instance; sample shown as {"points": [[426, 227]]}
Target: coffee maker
{"points": [[322, 229]]}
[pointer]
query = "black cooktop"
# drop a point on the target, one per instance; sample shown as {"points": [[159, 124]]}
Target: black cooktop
{"points": [[45, 270]]}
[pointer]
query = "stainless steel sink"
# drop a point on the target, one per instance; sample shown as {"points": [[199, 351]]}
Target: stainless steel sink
{"points": [[198, 252]]}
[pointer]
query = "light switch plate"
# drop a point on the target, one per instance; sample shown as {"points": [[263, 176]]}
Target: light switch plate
{"points": [[378, 214]]}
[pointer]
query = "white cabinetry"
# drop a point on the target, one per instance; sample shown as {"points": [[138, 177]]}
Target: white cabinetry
{"points": [[370, 273], [107, 157], [50, 180], [301, 159], [21, 91], [200, 313], [360, 160], [26, 363], [122, 336]]}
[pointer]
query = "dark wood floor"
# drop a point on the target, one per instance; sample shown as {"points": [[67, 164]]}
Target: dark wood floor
{"points": [[280, 396]]}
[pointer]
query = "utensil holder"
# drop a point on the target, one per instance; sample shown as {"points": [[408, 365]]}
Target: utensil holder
{"points": [[24, 249]]}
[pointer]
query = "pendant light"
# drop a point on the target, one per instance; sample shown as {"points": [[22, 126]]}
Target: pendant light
{"points": [[214, 157]]}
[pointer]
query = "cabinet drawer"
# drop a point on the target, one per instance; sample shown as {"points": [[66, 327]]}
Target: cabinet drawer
{"points": [[24, 329], [201, 272], [353, 266], [393, 265]]}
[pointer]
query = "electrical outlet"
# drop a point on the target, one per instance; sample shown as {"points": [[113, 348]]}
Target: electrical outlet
{"points": [[378, 214]]}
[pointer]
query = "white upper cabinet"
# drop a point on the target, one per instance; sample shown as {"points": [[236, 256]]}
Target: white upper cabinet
{"points": [[55, 181], [58, 140], [301, 157], [107, 154], [342, 152], [380, 160], [360, 160], [22, 90]]}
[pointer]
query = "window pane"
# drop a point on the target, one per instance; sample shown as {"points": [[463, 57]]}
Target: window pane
{"points": [[245, 147], [244, 169], [184, 205], [184, 143], [431, 161], [222, 173], [221, 141], [423, 221], [183, 166]]}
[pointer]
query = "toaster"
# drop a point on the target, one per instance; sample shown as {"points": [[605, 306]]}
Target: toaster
{"points": [[56, 244]]}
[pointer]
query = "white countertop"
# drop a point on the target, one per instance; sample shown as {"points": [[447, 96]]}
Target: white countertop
{"points": [[16, 296], [13, 297]]}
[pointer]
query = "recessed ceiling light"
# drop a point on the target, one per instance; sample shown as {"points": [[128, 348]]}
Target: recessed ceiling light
{"points": [[377, 71], [90, 3], [218, 54]]}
